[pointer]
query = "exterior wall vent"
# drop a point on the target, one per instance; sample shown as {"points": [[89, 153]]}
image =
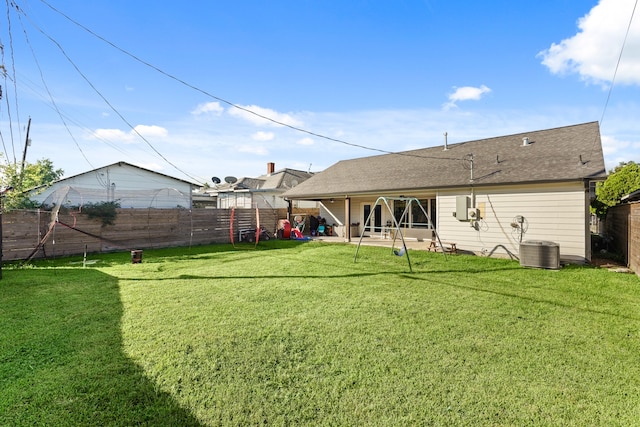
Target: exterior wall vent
{"points": [[540, 254]]}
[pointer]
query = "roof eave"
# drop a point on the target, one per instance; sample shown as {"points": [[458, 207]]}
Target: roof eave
{"points": [[375, 193]]}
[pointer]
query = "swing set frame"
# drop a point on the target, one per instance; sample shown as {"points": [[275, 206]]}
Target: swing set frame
{"points": [[396, 225]]}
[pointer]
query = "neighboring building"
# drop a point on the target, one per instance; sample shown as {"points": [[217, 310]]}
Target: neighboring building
{"points": [[130, 186], [264, 191], [631, 197], [486, 195]]}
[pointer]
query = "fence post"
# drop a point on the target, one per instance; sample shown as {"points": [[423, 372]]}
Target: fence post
{"points": [[3, 191]]}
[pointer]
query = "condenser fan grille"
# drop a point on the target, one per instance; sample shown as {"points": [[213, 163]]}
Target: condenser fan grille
{"points": [[540, 254]]}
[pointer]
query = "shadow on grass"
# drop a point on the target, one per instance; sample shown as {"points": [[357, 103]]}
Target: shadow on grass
{"points": [[328, 275], [106, 259], [520, 296], [61, 356]]}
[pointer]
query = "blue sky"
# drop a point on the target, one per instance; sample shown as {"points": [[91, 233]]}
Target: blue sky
{"points": [[387, 75]]}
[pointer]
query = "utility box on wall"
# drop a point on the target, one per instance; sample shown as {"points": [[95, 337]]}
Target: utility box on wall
{"points": [[462, 208]]}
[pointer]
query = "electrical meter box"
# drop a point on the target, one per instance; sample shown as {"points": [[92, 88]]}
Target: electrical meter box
{"points": [[462, 208], [473, 214]]}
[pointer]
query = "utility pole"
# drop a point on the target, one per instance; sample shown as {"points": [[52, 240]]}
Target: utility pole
{"points": [[27, 142]]}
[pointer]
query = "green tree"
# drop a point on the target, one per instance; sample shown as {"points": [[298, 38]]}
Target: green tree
{"points": [[622, 180], [33, 176]]}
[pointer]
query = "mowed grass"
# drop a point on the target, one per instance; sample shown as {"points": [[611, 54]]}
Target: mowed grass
{"points": [[298, 334]]}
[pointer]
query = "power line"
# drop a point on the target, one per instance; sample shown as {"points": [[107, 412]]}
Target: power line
{"points": [[615, 71], [13, 69], [37, 91], [106, 101], [53, 102], [229, 103]]}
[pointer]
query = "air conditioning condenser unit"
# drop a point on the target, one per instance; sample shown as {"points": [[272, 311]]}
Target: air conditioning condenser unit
{"points": [[540, 254]]}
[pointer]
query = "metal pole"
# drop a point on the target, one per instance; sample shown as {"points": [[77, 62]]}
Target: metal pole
{"points": [[24, 153]]}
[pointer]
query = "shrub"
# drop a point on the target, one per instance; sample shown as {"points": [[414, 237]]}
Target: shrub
{"points": [[105, 211]]}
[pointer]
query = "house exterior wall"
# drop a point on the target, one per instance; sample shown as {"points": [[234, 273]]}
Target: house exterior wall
{"points": [[274, 200], [263, 199], [131, 187], [553, 212], [235, 199], [358, 217]]}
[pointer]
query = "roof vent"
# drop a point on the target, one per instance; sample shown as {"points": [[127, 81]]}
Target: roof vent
{"points": [[525, 141]]}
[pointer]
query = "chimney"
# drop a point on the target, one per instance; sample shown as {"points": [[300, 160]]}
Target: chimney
{"points": [[271, 168]]}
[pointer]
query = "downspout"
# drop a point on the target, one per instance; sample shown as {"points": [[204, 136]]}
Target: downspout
{"points": [[347, 219], [473, 195]]}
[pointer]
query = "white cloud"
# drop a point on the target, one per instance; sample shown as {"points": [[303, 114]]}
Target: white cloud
{"points": [[259, 150], [593, 52], [213, 108], [611, 146], [111, 135], [122, 136], [263, 136], [466, 93], [264, 116], [306, 141], [151, 131], [204, 151]]}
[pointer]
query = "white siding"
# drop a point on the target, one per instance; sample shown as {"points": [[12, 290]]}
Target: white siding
{"points": [[334, 212], [130, 186], [553, 212]]}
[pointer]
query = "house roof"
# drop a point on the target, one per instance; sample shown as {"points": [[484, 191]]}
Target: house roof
{"points": [[562, 154], [129, 165], [631, 197], [282, 180]]}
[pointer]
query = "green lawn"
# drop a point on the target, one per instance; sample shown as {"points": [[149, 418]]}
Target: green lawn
{"points": [[298, 334]]}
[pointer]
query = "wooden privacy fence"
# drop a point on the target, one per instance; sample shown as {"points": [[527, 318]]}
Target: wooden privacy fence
{"points": [[623, 224], [32, 233]]}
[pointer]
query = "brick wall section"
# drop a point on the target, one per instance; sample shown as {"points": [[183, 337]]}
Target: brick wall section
{"points": [[133, 229], [623, 224]]}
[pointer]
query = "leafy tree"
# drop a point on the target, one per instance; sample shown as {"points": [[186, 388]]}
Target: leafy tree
{"points": [[34, 175], [622, 180]]}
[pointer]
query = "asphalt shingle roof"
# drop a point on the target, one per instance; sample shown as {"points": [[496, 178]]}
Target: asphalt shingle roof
{"points": [[279, 180], [554, 155]]}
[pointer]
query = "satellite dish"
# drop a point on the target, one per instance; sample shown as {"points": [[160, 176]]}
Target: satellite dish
{"points": [[230, 179], [294, 182], [215, 180]]}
